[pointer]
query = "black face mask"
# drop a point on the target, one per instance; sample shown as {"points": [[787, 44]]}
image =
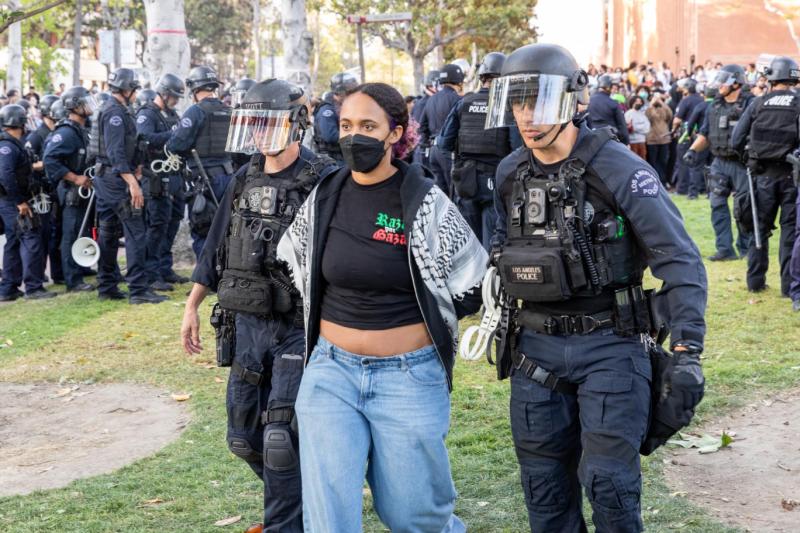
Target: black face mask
{"points": [[361, 152]]}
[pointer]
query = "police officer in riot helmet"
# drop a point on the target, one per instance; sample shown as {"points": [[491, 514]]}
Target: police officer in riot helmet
{"points": [[451, 83], [326, 116], [580, 217], [429, 87], [22, 252], [477, 152], [66, 162], [143, 97], [204, 128], [42, 196], [727, 173], [257, 305], [604, 111], [155, 121], [239, 90], [768, 133], [120, 200]]}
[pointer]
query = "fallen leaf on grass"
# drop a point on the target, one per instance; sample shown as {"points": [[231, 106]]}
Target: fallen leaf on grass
{"points": [[789, 505], [483, 504], [181, 397], [219, 379], [9, 342], [754, 301], [228, 521], [704, 444], [129, 335], [63, 392], [154, 501]]}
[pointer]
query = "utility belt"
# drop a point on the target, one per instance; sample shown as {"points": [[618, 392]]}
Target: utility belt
{"points": [[270, 296], [466, 174], [72, 197], [631, 315], [157, 183]]}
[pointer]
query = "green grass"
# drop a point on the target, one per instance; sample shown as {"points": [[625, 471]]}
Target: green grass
{"points": [[751, 350]]}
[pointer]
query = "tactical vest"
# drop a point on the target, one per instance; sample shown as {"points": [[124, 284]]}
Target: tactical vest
{"points": [[97, 143], [213, 136], [472, 138], [76, 162], [167, 120], [566, 236], [42, 132], [722, 119], [774, 130], [263, 208], [23, 170], [322, 146]]}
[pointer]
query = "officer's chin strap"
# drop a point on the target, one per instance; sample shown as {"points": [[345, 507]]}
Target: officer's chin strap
{"points": [[548, 132], [476, 339]]}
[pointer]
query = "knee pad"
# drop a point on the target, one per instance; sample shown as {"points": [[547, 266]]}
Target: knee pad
{"points": [[280, 453], [241, 447]]}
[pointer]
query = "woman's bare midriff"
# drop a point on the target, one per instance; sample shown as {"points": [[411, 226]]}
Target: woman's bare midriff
{"points": [[377, 343]]}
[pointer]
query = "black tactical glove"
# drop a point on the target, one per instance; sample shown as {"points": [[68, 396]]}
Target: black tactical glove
{"points": [[685, 389], [690, 157]]}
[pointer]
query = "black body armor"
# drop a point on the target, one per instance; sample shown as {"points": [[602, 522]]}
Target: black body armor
{"points": [[97, 143], [722, 120], [76, 163], [472, 138], [774, 130], [566, 235], [158, 182], [212, 137], [23, 170], [263, 208]]}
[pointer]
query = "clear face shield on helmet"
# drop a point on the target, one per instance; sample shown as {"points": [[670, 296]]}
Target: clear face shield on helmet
{"points": [[90, 103], [237, 96], [723, 78], [530, 99], [266, 131]]}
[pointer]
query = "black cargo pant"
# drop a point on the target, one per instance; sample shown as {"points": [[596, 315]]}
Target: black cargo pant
{"points": [[262, 389]]}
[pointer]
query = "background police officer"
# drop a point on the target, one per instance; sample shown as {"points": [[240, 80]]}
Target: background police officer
{"points": [[22, 253], [680, 127], [727, 174], [65, 160], [120, 201], [580, 371], [143, 97], [451, 85], [326, 116], [429, 88], [478, 152], [604, 111], [256, 209], [769, 129], [44, 202], [204, 128], [155, 122]]}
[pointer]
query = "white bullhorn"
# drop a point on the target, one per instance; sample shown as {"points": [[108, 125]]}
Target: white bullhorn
{"points": [[85, 252]]}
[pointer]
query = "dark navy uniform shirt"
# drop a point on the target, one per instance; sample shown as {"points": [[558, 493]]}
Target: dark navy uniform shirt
{"points": [[435, 112], [326, 123], [10, 157], [184, 137], [61, 146], [657, 224], [605, 111]]}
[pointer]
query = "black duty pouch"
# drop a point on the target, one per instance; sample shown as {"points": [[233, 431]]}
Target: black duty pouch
{"points": [[533, 274], [27, 224], [465, 179], [245, 291], [153, 183], [201, 215], [72, 197], [743, 211], [224, 326], [126, 211], [659, 430], [719, 185]]}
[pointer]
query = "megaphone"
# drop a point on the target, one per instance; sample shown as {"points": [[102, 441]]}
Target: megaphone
{"points": [[85, 252]]}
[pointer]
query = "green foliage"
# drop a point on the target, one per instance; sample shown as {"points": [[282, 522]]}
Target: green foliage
{"points": [[218, 30], [39, 41]]}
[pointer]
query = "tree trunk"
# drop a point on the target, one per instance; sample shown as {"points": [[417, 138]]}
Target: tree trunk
{"points": [[167, 45], [419, 71], [76, 43], [14, 74], [257, 38], [297, 43]]}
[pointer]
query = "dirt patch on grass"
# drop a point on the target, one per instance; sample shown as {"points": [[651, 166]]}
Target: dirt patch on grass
{"points": [[52, 434], [755, 482]]}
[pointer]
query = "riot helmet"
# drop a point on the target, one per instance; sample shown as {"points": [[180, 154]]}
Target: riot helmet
{"points": [[541, 84], [272, 115], [45, 105], [451, 73], [342, 83], [491, 65], [123, 79], [144, 97], [170, 85], [432, 79], [605, 81], [728, 75], [202, 78], [783, 69], [76, 97], [58, 112], [240, 89], [687, 84], [13, 116]]}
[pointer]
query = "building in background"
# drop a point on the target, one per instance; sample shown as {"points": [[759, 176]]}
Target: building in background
{"points": [[616, 32]]}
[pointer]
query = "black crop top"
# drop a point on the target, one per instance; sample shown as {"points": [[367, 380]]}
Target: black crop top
{"points": [[365, 263]]}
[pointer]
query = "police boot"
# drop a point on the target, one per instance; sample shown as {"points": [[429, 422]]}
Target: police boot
{"points": [[255, 528], [174, 277], [161, 286], [40, 294], [11, 297], [148, 297], [83, 287], [113, 295]]}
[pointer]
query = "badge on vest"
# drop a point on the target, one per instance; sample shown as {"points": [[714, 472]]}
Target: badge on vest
{"points": [[263, 200]]}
